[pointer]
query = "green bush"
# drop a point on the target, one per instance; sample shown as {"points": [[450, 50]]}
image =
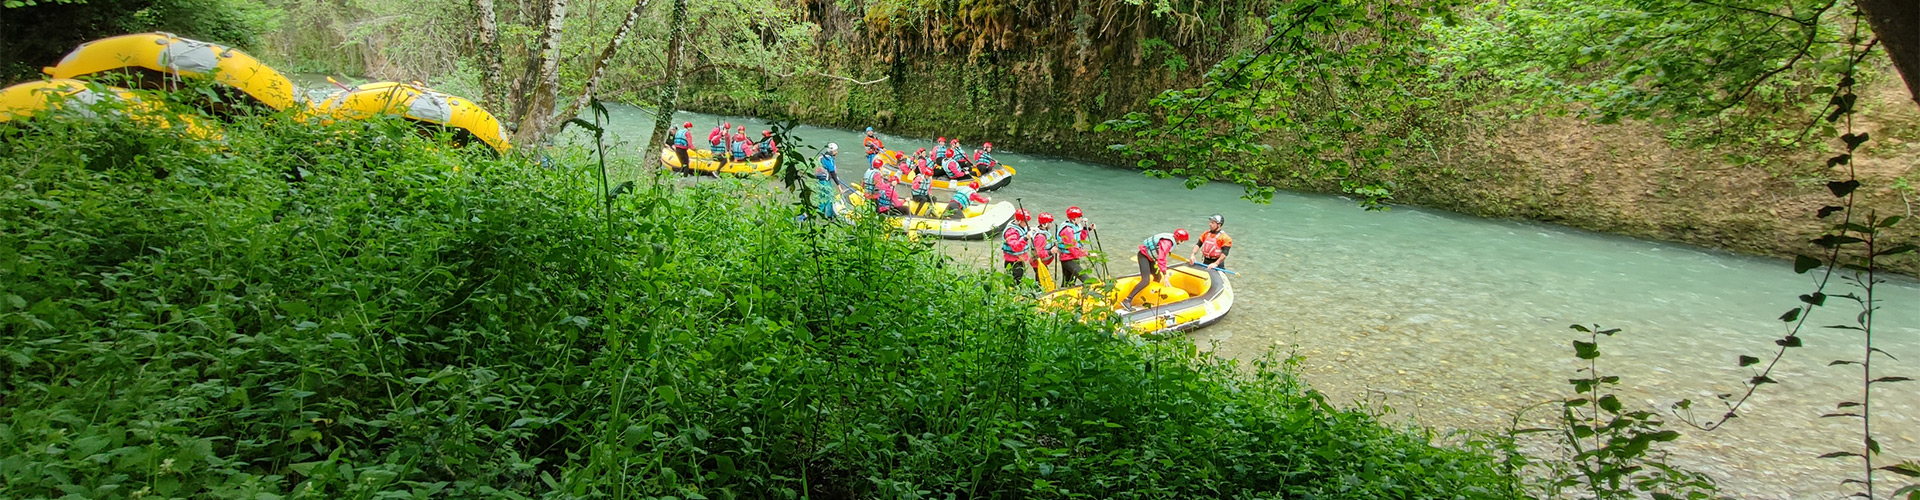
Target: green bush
{"points": [[406, 321]]}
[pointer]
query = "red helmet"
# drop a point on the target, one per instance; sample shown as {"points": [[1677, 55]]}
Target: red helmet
{"points": [[987, 145], [1179, 236], [766, 133], [942, 139], [1074, 212], [1020, 215], [974, 184], [688, 125], [1046, 218], [921, 151], [877, 161]]}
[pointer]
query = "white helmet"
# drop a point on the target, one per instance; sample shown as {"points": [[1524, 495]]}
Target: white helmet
{"points": [[833, 147]]}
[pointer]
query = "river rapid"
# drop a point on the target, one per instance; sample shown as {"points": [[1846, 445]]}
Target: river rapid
{"points": [[1456, 323]]}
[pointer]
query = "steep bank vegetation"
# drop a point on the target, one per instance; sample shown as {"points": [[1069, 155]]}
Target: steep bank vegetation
{"points": [[181, 320]]}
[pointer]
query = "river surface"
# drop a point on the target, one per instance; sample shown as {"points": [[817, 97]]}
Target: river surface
{"points": [[1457, 322]]}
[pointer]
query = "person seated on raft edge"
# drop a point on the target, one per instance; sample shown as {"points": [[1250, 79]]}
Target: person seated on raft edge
{"points": [[955, 171], [963, 197], [1153, 261], [739, 146], [767, 149], [923, 183], [983, 161], [939, 151], [1214, 244], [878, 186], [717, 144]]}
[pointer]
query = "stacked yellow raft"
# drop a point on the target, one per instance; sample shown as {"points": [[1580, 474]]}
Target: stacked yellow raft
{"points": [[1193, 296], [73, 96], [420, 105], [159, 60], [704, 162], [976, 221]]}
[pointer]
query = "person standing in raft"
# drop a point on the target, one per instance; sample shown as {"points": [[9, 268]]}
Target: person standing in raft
{"points": [[826, 190], [1214, 245], [766, 146], [1014, 241], [874, 147], [1067, 243], [1153, 261], [682, 141], [717, 144], [963, 197]]}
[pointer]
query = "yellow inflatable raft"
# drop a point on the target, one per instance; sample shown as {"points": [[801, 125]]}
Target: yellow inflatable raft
{"points": [[1000, 177], [977, 222], [704, 162], [1198, 296], [420, 104], [74, 96], [158, 60]]}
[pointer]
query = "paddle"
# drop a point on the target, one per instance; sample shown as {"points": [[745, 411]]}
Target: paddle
{"points": [[1224, 270]]}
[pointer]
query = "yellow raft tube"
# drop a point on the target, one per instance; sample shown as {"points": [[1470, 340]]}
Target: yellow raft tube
{"points": [[1193, 297], [419, 104], [73, 96], [704, 162], [157, 60], [977, 222]]}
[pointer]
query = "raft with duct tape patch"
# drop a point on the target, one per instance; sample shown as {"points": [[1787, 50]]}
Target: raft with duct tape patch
{"points": [[1000, 177], [419, 104], [977, 222], [704, 162], [159, 60], [1194, 297], [85, 100]]}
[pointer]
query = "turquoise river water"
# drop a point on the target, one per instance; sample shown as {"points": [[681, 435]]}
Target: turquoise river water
{"points": [[1457, 322]]}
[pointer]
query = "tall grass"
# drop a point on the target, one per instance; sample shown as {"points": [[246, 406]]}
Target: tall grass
{"points": [[181, 319]]}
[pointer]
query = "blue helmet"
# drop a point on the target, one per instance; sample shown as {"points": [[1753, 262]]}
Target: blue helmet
{"points": [[869, 129]]}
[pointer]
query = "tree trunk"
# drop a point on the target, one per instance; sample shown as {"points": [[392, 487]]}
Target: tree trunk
{"points": [[1897, 23], [669, 96], [540, 101], [599, 68], [490, 64]]}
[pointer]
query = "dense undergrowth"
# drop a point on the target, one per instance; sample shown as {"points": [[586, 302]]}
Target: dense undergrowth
{"points": [[355, 312]]}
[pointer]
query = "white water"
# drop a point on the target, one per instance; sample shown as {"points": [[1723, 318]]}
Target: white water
{"points": [[1457, 322]]}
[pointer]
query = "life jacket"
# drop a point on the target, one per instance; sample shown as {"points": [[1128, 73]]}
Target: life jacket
{"points": [[888, 197], [922, 182], [940, 152], [956, 152], [1152, 245], [1013, 243], [872, 182], [740, 146], [982, 159], [1210, 243], [1041, 244], [873, 145], [717, 141], [1067, 244], [954, 170], [963, 196], [683, 138]]}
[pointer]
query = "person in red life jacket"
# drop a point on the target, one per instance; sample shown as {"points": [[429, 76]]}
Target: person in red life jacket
{"points": [[940, 151], [1214, 245], [1042, 246], [768, 149], [874, 147], [717, 143], [682, 141], [1153, 261], [1069, 244], [740, 144], [1014, 243], [963, 197]]}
